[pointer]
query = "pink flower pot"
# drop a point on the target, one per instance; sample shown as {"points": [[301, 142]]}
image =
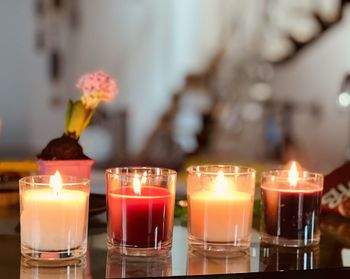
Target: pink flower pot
{"points": [[80, 168]]}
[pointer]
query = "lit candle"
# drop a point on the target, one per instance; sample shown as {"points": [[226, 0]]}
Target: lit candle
{"points": [[220, 206], [140, 210], [54, 216], [291, 206]]}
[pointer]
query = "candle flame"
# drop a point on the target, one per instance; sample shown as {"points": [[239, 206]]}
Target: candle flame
{"points": [[137, 184], [56, 182], [221, 185], [293, 175]]}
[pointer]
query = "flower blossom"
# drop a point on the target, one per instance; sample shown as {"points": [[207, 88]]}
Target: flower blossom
{"points": [[97, 87]]}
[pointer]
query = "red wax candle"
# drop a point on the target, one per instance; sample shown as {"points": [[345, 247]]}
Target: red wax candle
{"points": [[142, 220]]}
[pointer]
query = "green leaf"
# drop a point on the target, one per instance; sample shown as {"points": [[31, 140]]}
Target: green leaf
{"points": [[180, 211], [68, 116], [79, 119], [180, 215], [257, 207], [88, 115]]}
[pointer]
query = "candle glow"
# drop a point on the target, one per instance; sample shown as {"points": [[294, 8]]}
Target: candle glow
{"points": [[137, 185], [293, 175], [138, 182], [56, 182], [221, 185]]}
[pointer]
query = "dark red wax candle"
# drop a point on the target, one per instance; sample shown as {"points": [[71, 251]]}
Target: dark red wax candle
{"points": [[142, 220], [291, 212]]}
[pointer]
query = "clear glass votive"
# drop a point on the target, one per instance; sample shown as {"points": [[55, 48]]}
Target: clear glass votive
{"points": [[140, 210], [220, 207], [291, 208], [54, 217]]}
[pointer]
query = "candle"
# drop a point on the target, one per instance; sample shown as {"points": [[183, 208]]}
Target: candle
{"points": [[54, 216], [141, 220], [291, 207], [221, 218], [220, 207], [140, 209]]}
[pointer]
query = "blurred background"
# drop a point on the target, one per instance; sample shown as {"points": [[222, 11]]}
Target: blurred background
{"points": [[200, 80]]}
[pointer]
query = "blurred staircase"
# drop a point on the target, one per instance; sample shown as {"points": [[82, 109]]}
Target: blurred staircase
{"points": [[318, 17], [162, 146]]}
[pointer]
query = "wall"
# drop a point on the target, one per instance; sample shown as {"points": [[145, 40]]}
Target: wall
{"points": [[14, 91], [25, 95], [315, 76], [149, 46]]}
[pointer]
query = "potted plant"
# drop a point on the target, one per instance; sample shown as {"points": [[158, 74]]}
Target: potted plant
{"points": [[65, 154]]}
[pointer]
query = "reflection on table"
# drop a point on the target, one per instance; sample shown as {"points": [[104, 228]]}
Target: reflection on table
{"points": [[332, 253], [274, 258], [118, 266], [201, 264], [75, 269]]}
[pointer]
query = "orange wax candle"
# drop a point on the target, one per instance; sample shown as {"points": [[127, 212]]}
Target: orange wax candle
{"points": [[220, 200], [221, 218]]}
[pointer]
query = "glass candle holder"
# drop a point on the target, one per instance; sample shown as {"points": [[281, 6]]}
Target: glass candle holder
{"points": [[54, 217], [291, 207], [140, 210], [220, 207]]}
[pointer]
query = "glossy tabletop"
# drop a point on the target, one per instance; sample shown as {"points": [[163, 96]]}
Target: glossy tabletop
{"points": [[332, 255]]}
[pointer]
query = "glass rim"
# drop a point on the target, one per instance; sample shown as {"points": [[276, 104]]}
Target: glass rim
{"points": [[284, 174], [78, 180], [140, 170], [235, 169]]}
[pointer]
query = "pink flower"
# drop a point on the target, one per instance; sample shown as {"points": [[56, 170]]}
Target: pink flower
{"points": [[99, 82], [97, 87]]}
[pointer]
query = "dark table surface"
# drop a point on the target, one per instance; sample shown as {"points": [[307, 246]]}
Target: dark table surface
{"points": [[329, 259]]}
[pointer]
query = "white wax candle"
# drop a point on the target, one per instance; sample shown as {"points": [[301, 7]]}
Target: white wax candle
{"points": [[53, 221], [221, 218]]}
